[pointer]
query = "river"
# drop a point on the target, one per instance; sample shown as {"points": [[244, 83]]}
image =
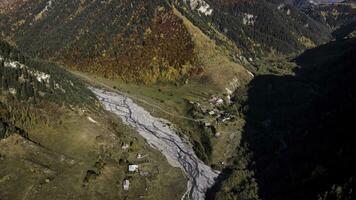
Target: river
{"points": [[159, 135]]}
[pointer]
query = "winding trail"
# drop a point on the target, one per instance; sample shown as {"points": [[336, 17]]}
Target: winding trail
{"points": [[163, 138]]}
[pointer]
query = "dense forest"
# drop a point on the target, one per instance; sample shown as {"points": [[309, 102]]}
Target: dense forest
{"points": [[262, 27], [137, 41], [35, 91]]}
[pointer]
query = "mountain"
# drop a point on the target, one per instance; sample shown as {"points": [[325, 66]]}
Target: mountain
{"points": [[308, 3], [333, 15], [133, 99], [147, 41]]}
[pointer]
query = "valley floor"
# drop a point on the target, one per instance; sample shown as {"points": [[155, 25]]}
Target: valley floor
{"points": [[161, 136]]}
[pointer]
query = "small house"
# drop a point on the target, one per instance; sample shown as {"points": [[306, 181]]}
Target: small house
{"points": [[133, 168]]}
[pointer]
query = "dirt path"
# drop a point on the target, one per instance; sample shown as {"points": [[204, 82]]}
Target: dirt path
{"points": [[137, 99]]}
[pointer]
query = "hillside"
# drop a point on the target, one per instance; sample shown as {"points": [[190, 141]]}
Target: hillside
{"points": [[345, 31], [142, 40], [56, 142]]}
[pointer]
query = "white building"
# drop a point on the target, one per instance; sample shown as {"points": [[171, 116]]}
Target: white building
{"points": [[133, 168]]}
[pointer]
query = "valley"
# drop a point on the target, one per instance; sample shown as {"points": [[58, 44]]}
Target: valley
{"points": [[177, 99]]}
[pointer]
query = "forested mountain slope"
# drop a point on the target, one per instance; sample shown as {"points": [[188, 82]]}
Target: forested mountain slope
{"points": [[34, 81], [262, 27], [146, 41]]}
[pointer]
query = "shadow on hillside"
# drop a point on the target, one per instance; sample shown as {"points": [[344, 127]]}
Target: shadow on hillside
{"points": [[300, 128]]}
